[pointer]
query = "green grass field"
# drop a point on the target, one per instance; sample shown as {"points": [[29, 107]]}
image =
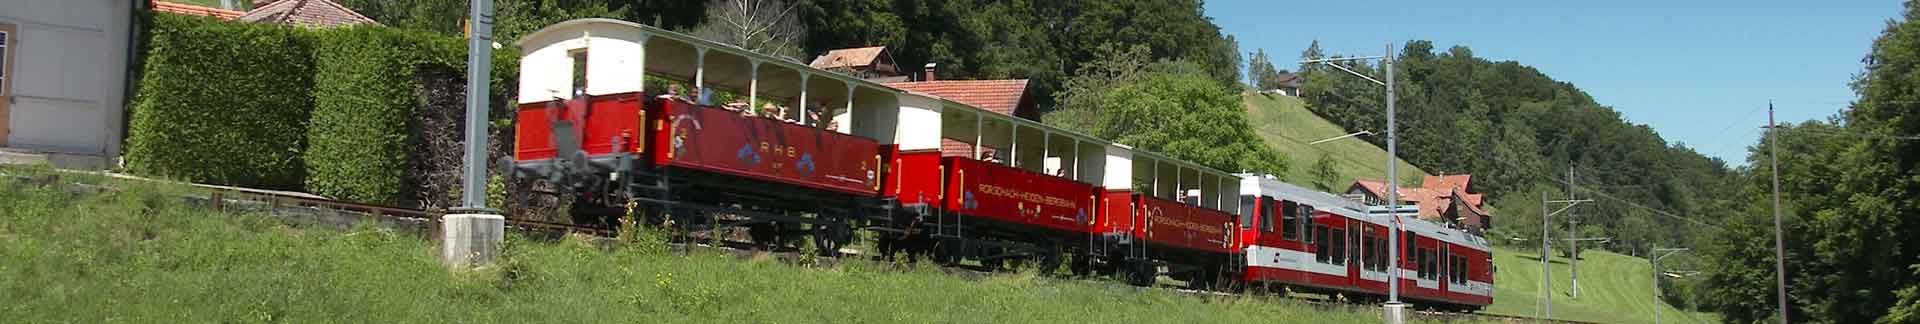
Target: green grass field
{"points": [[142, 256], [1614, 289], [1286, 124]]}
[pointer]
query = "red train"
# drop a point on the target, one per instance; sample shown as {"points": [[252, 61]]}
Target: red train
{"points": [[871, 162]]}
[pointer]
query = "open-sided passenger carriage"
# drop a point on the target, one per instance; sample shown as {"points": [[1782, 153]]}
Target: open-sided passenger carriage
{"points": [[589, 122]]}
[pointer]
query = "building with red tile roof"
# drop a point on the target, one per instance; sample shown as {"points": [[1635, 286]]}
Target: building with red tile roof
{"points": [[306, 13], [1007, 97], [193, 10], [873, 63], [1441, 198]]}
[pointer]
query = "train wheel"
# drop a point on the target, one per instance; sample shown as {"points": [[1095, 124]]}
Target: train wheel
{"points": [[1141, 272], [1050, 258]]}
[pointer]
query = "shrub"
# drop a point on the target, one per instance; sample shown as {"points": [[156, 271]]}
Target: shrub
{"points": [[222, 102], [362, 131]]}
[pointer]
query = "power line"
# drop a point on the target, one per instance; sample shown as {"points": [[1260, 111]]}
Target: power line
{"points": [[1604, 194]]}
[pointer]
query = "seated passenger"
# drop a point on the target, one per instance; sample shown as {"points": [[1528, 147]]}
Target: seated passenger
{"points": [[768, 110], [673, 93]]}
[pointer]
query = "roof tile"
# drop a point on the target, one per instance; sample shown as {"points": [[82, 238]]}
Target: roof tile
{"points": [[1001, 96]]}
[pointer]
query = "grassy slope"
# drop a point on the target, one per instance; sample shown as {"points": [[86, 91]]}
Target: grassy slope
{"points": [[1614, 289], [1286, 124], [139, 257]]}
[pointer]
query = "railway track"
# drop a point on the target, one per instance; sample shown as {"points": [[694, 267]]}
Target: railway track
{"points": [[223, 198]]}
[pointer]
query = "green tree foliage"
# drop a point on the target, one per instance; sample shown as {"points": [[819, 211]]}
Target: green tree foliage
{"points": [[1325, 176], [513, 18], [1260, 69], [1849, 186], [1512, 127], [362, 129], [1171, 107], [1044, 41], [240, 119]]}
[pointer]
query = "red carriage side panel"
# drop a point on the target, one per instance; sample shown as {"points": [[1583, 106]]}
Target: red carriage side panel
{"points": [[913, 177], [600, 124], [1180, 225], [716, 140], [1007, 194], [1116, 212]]}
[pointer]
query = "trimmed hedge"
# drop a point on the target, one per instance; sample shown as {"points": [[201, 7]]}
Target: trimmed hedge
{"points": [[376, 136], [363, 127], [337, 112], [223, 103]]}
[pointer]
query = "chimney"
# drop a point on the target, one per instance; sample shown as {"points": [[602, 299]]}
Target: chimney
{"points": [[929, 75]]}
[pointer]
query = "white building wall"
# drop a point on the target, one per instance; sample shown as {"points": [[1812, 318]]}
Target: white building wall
{"points": [[69, 76]]}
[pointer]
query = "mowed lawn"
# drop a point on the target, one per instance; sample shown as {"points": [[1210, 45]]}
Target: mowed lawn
{"points": [[1615, 288], [140, 255], [1286, 125]]}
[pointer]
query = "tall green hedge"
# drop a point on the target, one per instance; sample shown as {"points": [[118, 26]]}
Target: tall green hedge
{"points": [[224, 103], [364, 108]]}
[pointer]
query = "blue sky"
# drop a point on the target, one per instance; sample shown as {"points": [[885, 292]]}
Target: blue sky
{"points": [[1699, 72]]}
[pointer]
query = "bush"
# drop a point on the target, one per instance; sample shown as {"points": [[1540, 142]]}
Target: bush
{"points": [[363, 126], [224, 103]]}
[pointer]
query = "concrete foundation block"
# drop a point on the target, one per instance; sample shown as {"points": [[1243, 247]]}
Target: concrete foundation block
{"points": [[471, 240], [1396, 313]]}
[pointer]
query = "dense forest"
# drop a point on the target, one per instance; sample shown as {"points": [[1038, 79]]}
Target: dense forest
{"points": [[1520, 133], [1851, 196]]}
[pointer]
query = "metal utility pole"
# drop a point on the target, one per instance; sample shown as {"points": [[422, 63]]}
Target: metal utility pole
{"points": [[1546, 275], [471, 235], [1573, 229], [1653, 258], [1779, 236], [1395, 310], [473, 185]]}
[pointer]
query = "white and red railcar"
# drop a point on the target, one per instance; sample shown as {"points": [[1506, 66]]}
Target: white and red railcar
{"points": [[1306, 240]]}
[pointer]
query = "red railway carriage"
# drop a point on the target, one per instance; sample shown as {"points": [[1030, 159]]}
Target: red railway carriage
{"points": [[720, 141], [1304, 240], [1017, 197]]}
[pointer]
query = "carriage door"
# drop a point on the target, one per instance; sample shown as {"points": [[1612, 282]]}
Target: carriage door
{"points": [[1353, 252], [8, 33]]}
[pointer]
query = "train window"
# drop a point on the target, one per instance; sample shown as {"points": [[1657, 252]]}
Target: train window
{"points": [[1420, 264], [1366, 251], [579, 57], [1289, 221], [1433, 266], [1339, 246], [1247, 206], [1409, 247], [1380, 249], [1266, 214], [1320, 244], [1445, 261]]}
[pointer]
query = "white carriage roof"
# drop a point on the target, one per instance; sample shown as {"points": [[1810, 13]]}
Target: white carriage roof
{"points": [[693, 42]]}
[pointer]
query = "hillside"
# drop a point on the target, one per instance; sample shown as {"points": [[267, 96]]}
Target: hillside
{"points": [[1614, 289], [141, 255], [1287, 126]]}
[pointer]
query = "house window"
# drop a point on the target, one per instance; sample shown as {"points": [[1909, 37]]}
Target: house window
{"points": [[6, 54], [579, 75]]}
